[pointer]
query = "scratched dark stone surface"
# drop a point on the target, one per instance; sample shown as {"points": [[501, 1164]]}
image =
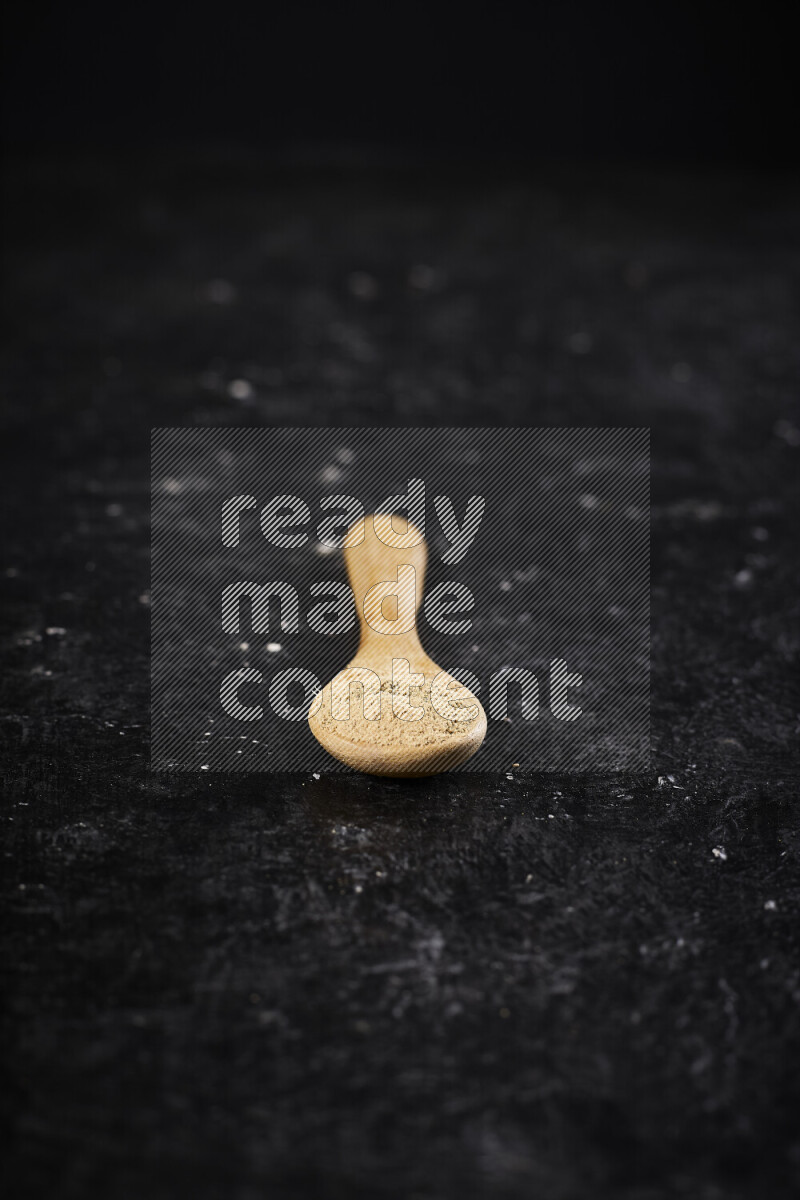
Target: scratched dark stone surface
{"points": [[247, 987]]}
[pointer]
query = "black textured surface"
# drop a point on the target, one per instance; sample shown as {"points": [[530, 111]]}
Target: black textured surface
{"points": [[249, 987]]}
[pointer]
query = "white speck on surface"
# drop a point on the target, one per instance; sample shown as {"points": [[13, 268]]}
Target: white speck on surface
{"points": [[358, 888], [362, 285], [330, 474], [205, 767], [743, 578], [55, 630], [207, 733], [220, 291], [274, 647], [315, 775], [787, 432], [240, 389], [770, 906], [423, 277], [244, 645], [708, 510], [579, 342], [509, 775], [720, 852]]}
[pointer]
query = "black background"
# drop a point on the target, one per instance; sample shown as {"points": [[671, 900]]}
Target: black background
{"points": [[683, 81], [576, 986]]}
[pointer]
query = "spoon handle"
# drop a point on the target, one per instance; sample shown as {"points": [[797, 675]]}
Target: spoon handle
{"points": [[387, 582]]}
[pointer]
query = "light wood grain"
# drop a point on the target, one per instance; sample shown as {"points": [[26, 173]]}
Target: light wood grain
{"points": [[392, 744]]}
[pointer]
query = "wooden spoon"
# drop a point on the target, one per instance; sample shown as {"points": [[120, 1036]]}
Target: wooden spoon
{"points": [[391, 722]]}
